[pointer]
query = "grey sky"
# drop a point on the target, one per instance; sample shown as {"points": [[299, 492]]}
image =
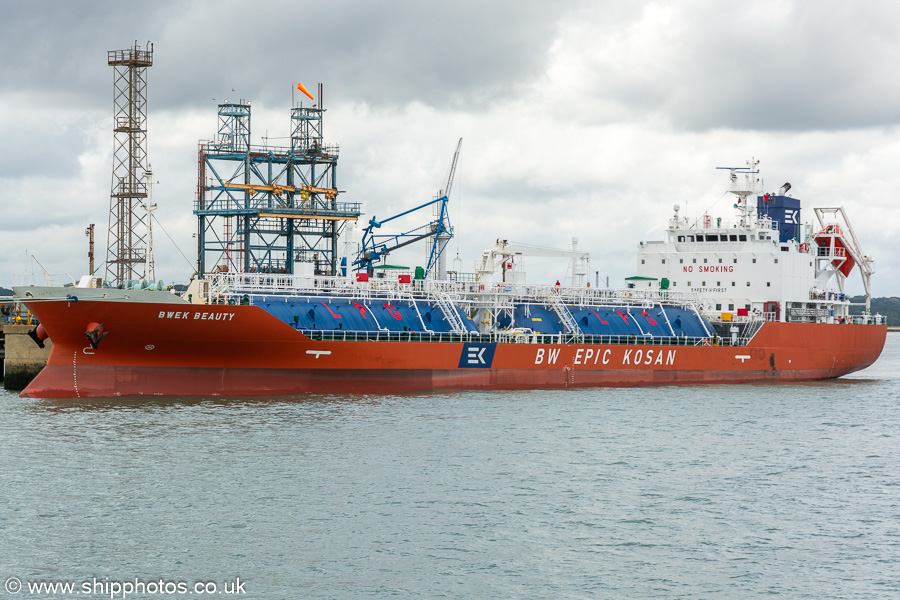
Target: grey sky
{"points": [[580, 118]]}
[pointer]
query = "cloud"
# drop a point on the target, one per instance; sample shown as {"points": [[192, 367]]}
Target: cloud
{"points": [[772, 65], [587, 119]]}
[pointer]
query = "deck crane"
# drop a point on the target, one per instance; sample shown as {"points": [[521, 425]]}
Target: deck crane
{"points": [[503, 255], [375, 247]]}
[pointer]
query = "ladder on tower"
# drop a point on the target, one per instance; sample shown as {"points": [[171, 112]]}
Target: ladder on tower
{"points": [[564, 315], [445, 303]]}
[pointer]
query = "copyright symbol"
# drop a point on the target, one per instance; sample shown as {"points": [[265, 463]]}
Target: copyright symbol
{"points": [[13, 585]]}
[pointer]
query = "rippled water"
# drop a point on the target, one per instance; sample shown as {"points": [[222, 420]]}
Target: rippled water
{"points": [[669, 492]]}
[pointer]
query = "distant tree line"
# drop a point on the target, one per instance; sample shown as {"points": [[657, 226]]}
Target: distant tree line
{"points": [[889, 307]]}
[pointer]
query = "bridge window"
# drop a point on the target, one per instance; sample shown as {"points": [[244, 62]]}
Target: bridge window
{"points": [[742, 237]]}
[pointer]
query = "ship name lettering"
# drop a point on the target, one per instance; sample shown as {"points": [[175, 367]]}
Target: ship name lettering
{"points": [[583, 356], [651, 356], [173, 315], [552, 356], [213, 316], [198, 316]]}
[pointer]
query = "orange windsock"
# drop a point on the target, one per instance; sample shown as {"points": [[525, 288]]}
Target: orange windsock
{"points": [[305, 91]]}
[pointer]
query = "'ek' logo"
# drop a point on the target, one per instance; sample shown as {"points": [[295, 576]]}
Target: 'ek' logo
{"points": [[477, 356], [790, 216]]}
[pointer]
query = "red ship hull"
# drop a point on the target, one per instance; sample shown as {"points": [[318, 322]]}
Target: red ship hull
{"points": [[167, 349]]}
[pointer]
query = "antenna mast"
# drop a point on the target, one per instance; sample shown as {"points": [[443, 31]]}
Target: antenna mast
{"points": [[149, 207], [89, 232]]}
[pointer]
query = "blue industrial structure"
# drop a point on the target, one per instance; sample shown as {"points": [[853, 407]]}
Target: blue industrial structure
{"points": [[375, 247], [267, 209], [330, 313]]}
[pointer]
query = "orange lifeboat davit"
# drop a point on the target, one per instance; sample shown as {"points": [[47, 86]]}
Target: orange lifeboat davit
{"points": [[843, 260]]}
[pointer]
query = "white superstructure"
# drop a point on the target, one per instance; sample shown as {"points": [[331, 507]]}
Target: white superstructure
{"points": [[764, 262]]}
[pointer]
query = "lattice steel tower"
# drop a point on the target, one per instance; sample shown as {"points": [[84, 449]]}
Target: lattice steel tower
{"points": [[264, 209], [126, 245]]}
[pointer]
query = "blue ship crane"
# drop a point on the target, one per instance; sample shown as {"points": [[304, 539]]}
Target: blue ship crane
{"points": [[375, 247]]}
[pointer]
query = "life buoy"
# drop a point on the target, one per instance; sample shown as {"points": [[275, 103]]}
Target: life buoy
{"points": [[804, 247]]}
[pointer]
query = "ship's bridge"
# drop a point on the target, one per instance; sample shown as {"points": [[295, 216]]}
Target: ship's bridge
{"points": [[761, 263]]}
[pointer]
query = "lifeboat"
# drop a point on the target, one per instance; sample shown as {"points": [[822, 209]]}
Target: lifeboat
{"points": [[843, 260]]}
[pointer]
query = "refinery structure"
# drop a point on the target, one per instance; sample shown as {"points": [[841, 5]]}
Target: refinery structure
{"points": [[260, 209], [264, 209]]}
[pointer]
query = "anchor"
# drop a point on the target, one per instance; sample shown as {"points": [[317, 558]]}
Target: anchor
{"points": [[95, 333]]}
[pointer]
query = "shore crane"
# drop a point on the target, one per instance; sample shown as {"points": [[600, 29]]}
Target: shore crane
{"points": [[376, 247]]}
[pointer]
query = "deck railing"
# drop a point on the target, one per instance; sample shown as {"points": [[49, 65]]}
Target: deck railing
{"points": [[526, 338], [307, 285]]}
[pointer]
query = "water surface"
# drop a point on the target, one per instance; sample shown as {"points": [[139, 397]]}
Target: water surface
{"points": [[742, 491]]}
